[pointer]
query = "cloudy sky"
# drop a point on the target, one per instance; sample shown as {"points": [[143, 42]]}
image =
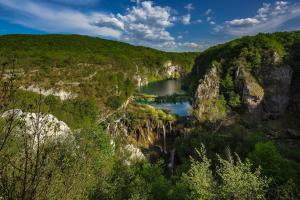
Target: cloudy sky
{"points": [[173, 25]]}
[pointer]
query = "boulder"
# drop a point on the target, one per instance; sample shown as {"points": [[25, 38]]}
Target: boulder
{"points": [[40, 126]]}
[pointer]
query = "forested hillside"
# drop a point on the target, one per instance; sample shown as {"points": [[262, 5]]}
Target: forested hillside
{"points": [[83, 66], [68, 131]]}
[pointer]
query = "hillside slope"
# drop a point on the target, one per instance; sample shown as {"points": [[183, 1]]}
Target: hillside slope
{"points": [[80, 66]]}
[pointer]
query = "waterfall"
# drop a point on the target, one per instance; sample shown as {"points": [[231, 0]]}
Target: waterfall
{"points": [[164, 139], [171, 163]]}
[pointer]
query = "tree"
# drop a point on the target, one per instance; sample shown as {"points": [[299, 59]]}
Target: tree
{"points": [[199, 179], [239, 182], [272, 163], [233, 179]]}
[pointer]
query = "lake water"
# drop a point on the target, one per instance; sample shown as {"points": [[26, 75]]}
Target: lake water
{"points": [[163, 88], [166, 88], [180, 109]]}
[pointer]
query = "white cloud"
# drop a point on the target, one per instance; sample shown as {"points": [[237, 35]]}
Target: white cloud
{"points": [[218, 28], [53, 19], [243, 22], [146, 23], [209, 16], [76, 2], [135, 1], [189, 7], [269, 18], [209, 12], [108, 20], [190, 45], [198, 21], [142, 24], [262, 13], [147, 13], [186, 19]]}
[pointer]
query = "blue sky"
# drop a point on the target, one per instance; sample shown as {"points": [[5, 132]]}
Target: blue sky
{"points": [[173, 25]]}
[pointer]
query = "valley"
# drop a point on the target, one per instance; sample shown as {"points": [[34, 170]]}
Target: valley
{"points": [[90, 118]]}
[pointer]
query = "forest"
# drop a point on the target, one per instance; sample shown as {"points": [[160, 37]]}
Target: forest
{"points": [[220, 151]]}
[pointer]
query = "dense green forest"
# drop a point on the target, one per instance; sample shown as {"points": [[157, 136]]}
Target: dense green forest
{"points": [[223, 155], [86, 65]]}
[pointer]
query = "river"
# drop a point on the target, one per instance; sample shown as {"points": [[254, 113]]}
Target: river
{"points": [[167, 88]]}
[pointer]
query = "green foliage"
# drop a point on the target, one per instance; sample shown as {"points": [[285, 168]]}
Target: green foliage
{"points": [[234, 180], [228, 86], [77, 113], [216, 109], [221, 106], [239, 182], [199, 180], [288, 190], [115, 102], [251, 53], [56, 168], [273, 164], [85, 165], [234, 99], [237, 137], [139, 181], [87, 66]]}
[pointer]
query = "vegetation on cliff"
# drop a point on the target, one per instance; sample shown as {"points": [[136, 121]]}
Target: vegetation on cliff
{"points": [[251, 65]]}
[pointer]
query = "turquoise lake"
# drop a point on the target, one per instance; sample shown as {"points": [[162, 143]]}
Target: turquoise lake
{"points": [[167, 88]]}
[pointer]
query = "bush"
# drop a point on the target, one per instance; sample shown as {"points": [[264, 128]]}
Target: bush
{"points": [[273, 164], [234, 180]]}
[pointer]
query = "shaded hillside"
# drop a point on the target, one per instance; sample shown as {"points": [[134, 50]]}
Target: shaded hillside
{"points": [[87, 67]]}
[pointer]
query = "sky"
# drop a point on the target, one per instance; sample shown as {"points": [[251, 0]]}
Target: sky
{"points": [[170, 25]]}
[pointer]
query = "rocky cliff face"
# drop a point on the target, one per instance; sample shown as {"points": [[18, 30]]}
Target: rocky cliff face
{"points": [[251, 92], [265, 92], [277, 84], [206, 104], [140, 80], [171, 70], [141, 124], [41, 126]]}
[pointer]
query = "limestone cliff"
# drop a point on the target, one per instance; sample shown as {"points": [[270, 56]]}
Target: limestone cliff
{"points": [[207, 103], [251, 92], [277, 84], [264, 92], [172, 70]]}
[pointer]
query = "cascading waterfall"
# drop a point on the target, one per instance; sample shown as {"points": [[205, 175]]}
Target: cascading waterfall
{"points": [[164, 139], [171, 163]]}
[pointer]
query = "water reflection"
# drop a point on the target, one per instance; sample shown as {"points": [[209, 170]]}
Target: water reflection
{"points": [[163, 88], [168, 88]]}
